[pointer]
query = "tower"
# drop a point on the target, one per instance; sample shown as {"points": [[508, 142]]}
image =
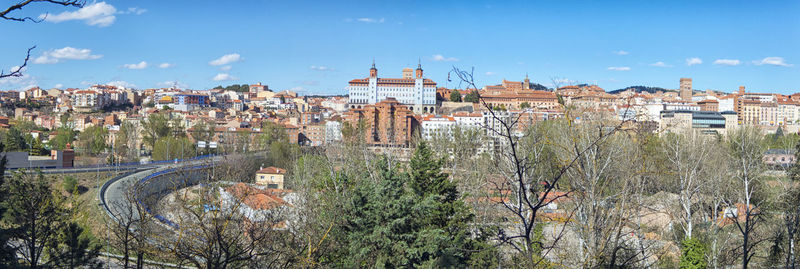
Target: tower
{"points": [[373, 72], [686, 89], [741, 89], [419, 69], [527, 84]]}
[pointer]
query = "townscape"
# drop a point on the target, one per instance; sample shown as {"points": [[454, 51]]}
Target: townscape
{"points": [[400, 169]]}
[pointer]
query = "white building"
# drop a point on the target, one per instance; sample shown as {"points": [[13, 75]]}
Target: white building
{"points": [[418, 93], [88, 99], [433, 126], [333, 131]]}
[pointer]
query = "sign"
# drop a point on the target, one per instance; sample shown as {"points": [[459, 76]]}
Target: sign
{"points": [[212, 145], [201, 144]]}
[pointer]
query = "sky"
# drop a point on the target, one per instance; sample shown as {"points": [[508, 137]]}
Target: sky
{"points": [[316, 47]]}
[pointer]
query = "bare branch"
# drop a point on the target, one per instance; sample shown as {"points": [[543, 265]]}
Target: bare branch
{"points": [[5, 13], [18, 71]]}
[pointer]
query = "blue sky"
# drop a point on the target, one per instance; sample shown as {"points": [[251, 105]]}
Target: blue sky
{"points": [[317, 46]]}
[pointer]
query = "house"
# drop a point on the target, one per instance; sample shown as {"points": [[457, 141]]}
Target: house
{"points": [[272, 177]]}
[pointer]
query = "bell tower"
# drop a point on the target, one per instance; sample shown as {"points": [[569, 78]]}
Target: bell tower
{"points": [[419, 69], [373, 72]]}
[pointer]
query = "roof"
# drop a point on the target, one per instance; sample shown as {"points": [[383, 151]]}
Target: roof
{"points": [[272, 170], [255, 198]]}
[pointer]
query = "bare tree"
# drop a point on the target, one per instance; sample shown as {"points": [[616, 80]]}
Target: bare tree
{"points": [[7, 14], [686, 163], [521, 190], [747, 152], [131, 227]]}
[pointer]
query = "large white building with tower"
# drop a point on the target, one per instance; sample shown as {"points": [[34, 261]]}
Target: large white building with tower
{"points": [[417, 92]]}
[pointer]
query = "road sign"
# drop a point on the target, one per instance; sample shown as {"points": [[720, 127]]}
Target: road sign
{"points": [[201, 144], [212, 145]]}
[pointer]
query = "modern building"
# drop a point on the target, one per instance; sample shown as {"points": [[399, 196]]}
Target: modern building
{"points": [[706, 122], [418, 93]]}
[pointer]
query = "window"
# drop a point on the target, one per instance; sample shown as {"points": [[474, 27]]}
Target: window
{"points": [[272, 186]]}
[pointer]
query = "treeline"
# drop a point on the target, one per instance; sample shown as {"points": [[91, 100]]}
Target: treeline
{"points": [[235, 87]]}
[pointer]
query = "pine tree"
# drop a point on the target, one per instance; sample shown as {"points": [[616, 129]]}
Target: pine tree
{"points": [[73, 250]]}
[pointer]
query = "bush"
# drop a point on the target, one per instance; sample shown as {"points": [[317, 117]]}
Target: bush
{"points": [[693, 254], [70, 184]]}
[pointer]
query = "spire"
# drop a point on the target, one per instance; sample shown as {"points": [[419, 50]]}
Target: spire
{"points": [[419, 63], [373, 63]]}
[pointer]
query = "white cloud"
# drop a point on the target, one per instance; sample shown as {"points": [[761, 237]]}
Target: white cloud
{"points": [[693, 61], [321, 68], [66, 53], [729, 62], [120, 83], [779, 61], [619, 68], [226, 59], [23, 82], [140, 65], [370, 20], [133, 10], [59, 85], [660, 64], [440, 58], [298, 89], [226, 68], [224, 77], [99, 14], [621, 52], [166, 65], [172, 83], [490, 73]]}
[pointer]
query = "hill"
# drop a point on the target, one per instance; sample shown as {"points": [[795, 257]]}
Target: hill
{"points": [[640, 89]]}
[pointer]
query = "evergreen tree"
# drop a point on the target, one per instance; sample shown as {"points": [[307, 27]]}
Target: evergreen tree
{"points": [[8, 257], [455, 96], [472, 97], [73, 250], [33, 215], [693, 254]]}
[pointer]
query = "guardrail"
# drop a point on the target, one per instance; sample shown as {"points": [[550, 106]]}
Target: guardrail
{"points": [[144, 180], [148, 163]]}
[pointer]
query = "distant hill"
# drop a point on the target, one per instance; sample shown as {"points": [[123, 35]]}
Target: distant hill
{"points": [[539, 87], [640, 89]]}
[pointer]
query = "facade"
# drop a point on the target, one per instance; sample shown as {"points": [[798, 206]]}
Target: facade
{"points": [[272, 177], [88, 100], [779, 157], [706, 122], [686, 89], [387, 123], [418, 93], [433, 126]]}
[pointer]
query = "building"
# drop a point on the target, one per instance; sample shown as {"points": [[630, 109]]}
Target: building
{"points": [[433, 126], [779, 157], [708, 105], [418, 93], [387, 123], [686, 89], [57, 159], [706, 122], [89, 100], [272, 177]]}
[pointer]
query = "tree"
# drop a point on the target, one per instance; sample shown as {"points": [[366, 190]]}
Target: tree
{"points": [[93, 139], [455, 96], [65, 135], [443, 218], [132, 226], [693, 254], [70, 184], [168, 148], [686, 164], [126, 143], [525, 105], [747, 152], [472, 97], [33, 213], [8, 256], [14, 140], [72, 249], [156, 126]]}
